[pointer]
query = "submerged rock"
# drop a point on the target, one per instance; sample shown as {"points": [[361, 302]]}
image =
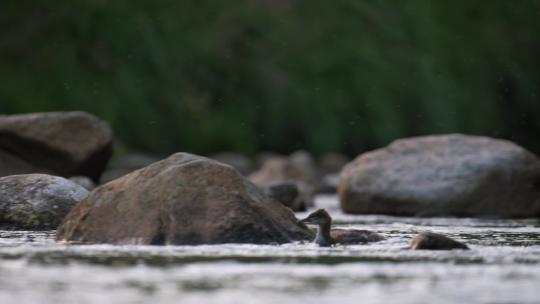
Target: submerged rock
{"points": [[36, 201], [449, 175], [435, 241], [299, 168], [184, 199], [66, 143]]}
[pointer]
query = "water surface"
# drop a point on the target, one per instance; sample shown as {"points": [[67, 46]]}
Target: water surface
{"points": [[503, 266]]}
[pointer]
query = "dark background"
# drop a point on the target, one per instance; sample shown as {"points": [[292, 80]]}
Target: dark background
{"points": [[247, 76]]}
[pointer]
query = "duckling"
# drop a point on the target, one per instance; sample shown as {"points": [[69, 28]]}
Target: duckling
{"points": [[327, 237]]}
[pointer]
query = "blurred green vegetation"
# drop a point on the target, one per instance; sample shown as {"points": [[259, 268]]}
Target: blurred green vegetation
{"points": [[246, 76]]}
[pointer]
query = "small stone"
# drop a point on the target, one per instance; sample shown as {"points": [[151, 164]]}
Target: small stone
{"points": [[435, 241]]}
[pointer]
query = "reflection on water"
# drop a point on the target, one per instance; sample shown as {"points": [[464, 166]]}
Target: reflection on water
{"points": [[503, 266]]}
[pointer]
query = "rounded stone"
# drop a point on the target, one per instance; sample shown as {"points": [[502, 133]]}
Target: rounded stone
{"points": [[36, 201]]}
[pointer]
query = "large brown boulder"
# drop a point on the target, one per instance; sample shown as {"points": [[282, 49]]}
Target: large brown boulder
{"points": [[447, 175], [65, 143], [36, 201], [184, 199]]}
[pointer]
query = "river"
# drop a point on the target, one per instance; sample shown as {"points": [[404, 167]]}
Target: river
{"points": [[503, 266]]}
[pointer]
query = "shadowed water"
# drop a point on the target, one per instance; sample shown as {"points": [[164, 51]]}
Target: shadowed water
{"points": [[503, 266]]}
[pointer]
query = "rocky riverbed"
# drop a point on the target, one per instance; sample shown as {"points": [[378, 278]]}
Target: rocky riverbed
{"points": [[503, 266]]}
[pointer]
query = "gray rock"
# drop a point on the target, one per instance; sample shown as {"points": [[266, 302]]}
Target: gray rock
{"points": [[184, 199], [66, 143], [449, 175], [435, 241], [36, 201]]}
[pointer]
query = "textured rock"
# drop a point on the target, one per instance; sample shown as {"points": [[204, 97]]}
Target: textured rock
{"points": [[298, 168], [454, 175], [184, 199], [66, 143], [435, 241], [36, 201]]}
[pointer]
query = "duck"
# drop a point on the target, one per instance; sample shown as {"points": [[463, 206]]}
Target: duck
{"points": [[327, 237]]}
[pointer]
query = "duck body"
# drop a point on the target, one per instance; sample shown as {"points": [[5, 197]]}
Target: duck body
{"points": [[328, 237]]}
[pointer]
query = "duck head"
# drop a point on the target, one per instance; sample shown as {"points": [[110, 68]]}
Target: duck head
{"points": [[319, 217]]}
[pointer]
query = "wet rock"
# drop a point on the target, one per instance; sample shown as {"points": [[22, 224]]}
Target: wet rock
{"points": [[448, 175], [65, 143], [299, 168], [126, 164], [435, 241], [184, 199], [286, 193], [238, 161], [36, 201], [84, 182]]}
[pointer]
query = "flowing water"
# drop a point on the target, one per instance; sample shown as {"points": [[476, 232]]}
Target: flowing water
{"points": [[503, 266]]}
